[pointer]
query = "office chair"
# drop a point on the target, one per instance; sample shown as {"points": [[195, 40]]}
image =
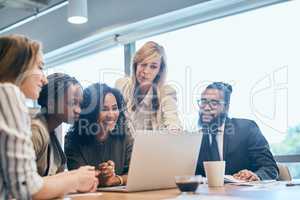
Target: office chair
{"points": [[284, 173]]}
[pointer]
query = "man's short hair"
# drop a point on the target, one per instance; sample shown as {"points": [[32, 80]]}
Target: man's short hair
{"points": [[225, 88]]}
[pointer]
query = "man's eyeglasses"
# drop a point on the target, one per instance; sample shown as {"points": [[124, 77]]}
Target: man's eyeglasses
{"points": [[213, 103]]}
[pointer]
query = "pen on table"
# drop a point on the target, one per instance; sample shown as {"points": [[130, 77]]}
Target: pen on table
{"points": [[293, 184]]}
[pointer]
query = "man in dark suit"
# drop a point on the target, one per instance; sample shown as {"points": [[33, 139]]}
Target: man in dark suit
{"points": [[237, 141]]}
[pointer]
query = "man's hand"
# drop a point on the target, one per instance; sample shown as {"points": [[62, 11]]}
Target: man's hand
{"points": [[246, 175]]}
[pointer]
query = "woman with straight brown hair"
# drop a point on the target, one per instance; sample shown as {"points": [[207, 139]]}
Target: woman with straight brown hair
{"points": [[151, 103], [21, 77]]}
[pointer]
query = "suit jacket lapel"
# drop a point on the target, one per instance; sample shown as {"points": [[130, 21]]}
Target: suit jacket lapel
{"points": [[227, 138]]}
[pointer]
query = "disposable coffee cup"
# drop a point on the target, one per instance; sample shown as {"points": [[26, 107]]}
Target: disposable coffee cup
{"points": [[215, 171]]}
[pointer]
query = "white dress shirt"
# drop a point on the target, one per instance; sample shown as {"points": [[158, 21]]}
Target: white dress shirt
{"points": [[220, 140]]}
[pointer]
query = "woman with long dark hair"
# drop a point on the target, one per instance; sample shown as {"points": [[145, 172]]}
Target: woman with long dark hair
{"points": [[100, 137]]}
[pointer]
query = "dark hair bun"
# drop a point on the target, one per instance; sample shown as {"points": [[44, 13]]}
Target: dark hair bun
{"points": [[58, 83]]}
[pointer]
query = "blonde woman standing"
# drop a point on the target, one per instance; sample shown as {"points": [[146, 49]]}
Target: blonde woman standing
{"points": [[150, 103]]}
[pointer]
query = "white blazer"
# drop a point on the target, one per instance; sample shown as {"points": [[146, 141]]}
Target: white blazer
{"points": [[167, 114]]}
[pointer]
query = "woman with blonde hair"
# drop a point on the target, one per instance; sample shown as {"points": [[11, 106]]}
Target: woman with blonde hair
{"points": [[21, 77], [150, 103]]}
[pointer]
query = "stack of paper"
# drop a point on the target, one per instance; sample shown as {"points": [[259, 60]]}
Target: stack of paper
{"points": [[230, 179]]}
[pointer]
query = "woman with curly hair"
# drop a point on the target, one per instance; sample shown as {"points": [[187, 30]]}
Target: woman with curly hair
{"points": [[100, 137]]}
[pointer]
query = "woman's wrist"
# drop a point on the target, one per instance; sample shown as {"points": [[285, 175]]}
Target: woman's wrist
{"points": [[120, 180], [111, 181]]}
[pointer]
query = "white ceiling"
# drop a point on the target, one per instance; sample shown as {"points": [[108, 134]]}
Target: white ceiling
{"points": [[12, 11], [54, 31]]}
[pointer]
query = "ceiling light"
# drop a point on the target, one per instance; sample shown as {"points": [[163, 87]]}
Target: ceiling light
{"points": [[77, 11]]}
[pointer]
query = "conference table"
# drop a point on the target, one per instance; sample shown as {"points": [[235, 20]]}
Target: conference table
{"points": [[272, 191]]}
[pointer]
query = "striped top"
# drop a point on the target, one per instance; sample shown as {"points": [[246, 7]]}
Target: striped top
{"points": [[18, 172]]}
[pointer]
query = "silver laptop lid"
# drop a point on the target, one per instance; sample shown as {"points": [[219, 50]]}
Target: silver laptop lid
{"points": [[159, 156]]}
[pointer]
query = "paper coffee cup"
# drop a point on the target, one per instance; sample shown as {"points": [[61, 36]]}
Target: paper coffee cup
{"points": [[215, 171]]}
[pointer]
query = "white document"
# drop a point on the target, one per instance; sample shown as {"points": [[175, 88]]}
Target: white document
{"points": [[82, 195], [205, 197], [230, 179]]}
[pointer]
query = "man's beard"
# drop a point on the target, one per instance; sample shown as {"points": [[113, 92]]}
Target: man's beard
{"points": [[214, 124]]}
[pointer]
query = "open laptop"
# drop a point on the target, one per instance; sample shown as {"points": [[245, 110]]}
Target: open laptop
{"points": [[157, 157]]}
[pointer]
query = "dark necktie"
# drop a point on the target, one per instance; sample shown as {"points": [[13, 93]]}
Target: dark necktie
{"points": [[213, 149], [208, 152]]}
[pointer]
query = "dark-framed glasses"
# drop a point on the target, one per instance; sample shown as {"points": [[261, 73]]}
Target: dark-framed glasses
{"points": [[213, 103]]}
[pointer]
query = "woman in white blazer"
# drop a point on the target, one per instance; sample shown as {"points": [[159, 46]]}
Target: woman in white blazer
{"points": [[150, 103]]}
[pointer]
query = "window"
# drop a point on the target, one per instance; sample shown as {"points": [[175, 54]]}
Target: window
{"points": [[104, 67], [258, 53]]}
